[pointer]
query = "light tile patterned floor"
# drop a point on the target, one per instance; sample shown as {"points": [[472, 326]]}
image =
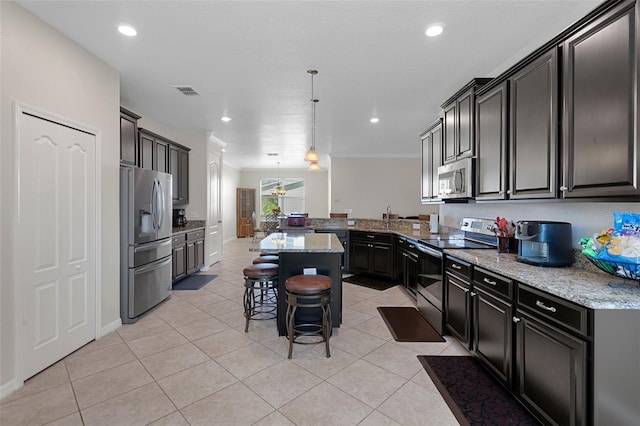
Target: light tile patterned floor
{"points": [[189, 362]]}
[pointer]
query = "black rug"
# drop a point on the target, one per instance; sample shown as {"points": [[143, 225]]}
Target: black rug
{"points": [[406, 324], [472, 394], [370, 282], [194, 282]]}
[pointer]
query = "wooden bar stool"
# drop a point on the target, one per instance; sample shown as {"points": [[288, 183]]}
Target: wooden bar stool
{"points": [[260, 292], [308, 291], [266, 259]]}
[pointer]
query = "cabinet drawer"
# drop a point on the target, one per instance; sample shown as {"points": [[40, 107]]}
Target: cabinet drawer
{"points": [[457, 266], [372, 236], [195, 235], [178, 239], [493, 283], [559, 311]]}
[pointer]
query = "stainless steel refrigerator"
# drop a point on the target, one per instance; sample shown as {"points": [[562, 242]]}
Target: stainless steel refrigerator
{"points": [[145, 240]]}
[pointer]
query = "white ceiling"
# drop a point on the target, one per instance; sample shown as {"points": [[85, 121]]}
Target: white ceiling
{"points": [[248, 60]]}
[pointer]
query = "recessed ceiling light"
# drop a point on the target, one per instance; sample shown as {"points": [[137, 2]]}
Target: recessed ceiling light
{"points": [[374, 120], [225, 119], [434, 30], [127, 30]]}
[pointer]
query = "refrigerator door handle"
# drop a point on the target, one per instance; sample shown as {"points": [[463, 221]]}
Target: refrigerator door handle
{"points": [[152, 205], [156, 207], [160, 204]]}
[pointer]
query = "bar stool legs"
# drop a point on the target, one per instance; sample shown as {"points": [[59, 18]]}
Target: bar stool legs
{"points": [[260, 299], [308, 291]]}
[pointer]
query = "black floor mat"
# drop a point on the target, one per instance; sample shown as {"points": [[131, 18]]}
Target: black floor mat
{"points": [[472, 394], [406, 324], [370, 282], [194, 282]]}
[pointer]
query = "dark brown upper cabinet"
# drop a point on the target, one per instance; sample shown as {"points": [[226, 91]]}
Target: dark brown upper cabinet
{"points": [[491, 143], [146, 147], [533, 129], [459, 123], [601, 155], [128, 137], [163, 155], [431, 159]]}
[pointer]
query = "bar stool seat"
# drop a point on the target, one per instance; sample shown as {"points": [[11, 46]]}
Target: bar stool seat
{"points": [[266, 259], [260, 292], [308, 291]]}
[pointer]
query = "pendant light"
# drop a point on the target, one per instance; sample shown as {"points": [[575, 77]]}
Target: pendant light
{"points": [[279, 188], [312, 154], [314, 167]]}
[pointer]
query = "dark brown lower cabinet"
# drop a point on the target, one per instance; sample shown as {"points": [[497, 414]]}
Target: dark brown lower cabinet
{"points": [[179, 260], [372, 253], [492, 333], [492, 324], [458, 308], [551, 367], [188, 253]]}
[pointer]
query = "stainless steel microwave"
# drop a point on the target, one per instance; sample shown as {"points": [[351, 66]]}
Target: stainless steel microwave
{"points": [[455, 180]]}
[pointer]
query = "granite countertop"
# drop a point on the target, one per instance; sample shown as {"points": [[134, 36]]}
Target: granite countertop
{"points": [[192, 225], [586, 288], [303, 243]]}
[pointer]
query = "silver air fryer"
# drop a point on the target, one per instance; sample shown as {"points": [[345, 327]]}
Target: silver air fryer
{"points": [[544, 243]]}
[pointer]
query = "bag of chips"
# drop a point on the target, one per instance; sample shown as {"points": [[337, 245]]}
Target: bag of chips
{"points": [[624, 245]]}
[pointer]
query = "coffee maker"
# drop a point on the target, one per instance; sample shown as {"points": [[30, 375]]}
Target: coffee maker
{"points": [[179, 218], [544, 243]]}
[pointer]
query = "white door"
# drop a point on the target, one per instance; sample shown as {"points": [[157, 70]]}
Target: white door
{"points": [[214, 220], [56, 242]]}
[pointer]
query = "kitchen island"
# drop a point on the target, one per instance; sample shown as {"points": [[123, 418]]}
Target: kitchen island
{"points": [[299, 251]]}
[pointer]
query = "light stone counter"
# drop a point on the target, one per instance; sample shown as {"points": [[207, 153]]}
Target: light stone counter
{"points": [[590, 289], [300, 243]]}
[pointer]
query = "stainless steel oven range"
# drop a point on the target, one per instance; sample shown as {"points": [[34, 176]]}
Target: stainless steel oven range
{"points": [[476, 234]]}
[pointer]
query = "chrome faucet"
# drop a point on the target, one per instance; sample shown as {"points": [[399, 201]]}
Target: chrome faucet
{"points": [[387, 220]]}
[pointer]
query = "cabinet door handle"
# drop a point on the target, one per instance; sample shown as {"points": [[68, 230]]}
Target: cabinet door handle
{"points": [[473, 293], [371, 236], [540, 304], [488, 281], [456, 266], [516, 319], [564, 188], [509, 191]]}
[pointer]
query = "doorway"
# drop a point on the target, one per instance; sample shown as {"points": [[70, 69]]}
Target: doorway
{"points": [[56, 263], [214, 230]]}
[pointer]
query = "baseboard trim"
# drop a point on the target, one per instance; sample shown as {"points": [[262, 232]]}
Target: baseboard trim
{"points": [[8, 388], [112, 326]]}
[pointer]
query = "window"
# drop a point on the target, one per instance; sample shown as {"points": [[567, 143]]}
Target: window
{"points": [[291, 201]]}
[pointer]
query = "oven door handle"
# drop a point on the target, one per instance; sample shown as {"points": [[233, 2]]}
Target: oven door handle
{"points": [[429, 251]]}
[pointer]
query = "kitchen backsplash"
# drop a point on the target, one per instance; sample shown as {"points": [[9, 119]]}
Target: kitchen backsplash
{"points": [[586, 218]]}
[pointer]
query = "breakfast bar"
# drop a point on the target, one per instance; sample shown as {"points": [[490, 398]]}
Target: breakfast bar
{"points": [[315, 253]]}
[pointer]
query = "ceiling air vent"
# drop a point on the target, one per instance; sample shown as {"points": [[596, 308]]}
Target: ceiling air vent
{"points": [[187, 90]]}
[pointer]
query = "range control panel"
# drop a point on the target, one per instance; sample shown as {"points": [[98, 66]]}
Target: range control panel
{"points": [[477, 225]]}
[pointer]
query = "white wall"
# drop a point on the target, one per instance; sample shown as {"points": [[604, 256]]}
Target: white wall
{"points": [[197, 141], [316, 186], [585, 217], [367, 185], [42, 68], [230, 181]]}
